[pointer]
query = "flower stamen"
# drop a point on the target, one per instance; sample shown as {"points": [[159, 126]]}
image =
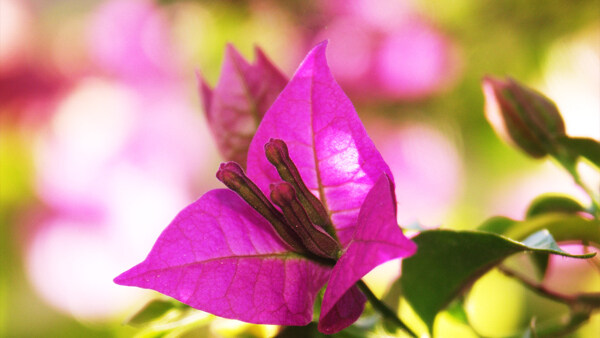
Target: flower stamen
{"points": [[233, 176], [315, 239], [277, 153]]}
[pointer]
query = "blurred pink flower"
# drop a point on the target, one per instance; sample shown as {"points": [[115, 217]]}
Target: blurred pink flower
{"points": [[427, 169], [384, 50], [512, 194], [413, 61], [109, 165], [29, 84], [383, 14], [15, 32], [123, 151], [127, 39]]}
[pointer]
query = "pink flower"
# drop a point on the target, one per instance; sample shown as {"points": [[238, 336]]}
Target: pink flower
{"points": [[384, 50], [236, 255]]}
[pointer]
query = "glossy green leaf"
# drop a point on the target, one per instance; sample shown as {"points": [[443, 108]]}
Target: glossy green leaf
{"points": [[498, 225], [563, 227], [447, 262], [542, 240], [553, 203], [582, 146]]}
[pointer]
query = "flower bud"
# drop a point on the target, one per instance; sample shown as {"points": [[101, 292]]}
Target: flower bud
{"points": [[313, 237], [238, 103], [522, 116]]}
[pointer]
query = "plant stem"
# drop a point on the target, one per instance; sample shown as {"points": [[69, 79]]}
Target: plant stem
{"points": [[383, 309], [580, 305], [572, 170], [589, 300], [537, 288]]}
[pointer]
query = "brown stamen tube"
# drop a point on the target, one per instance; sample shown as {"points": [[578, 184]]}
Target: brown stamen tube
{"points": [[313, 237], [233, 176], [277, 153]]}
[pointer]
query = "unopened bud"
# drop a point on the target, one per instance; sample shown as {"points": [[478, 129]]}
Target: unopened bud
{"points": [[522, 116], [313, 237], [277, 153], [233, 176]]}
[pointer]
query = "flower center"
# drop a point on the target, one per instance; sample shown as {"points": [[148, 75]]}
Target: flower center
{"points": [[303, 222]]}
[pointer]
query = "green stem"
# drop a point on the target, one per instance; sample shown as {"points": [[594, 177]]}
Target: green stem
{"points": [[572, 169], [383, 309]]}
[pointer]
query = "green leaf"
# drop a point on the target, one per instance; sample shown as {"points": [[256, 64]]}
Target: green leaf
{"points": [[562, 226], [447, 262], [498, 225], [540, 262], [582, 146], [542, 240], [553, 203], [153, 311]]}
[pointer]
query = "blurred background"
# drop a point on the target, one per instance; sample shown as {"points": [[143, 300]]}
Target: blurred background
{"points": [[103, 138]]}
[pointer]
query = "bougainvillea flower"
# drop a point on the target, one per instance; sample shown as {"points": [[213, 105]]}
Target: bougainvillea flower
{"points": [[235, 254], [239, 101]]}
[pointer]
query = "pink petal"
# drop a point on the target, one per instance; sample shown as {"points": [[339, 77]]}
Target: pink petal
{"points": [[239, 101], [326, 140], [344, 312], [205, 95], [377, 239], [220, 256], [266, 82]]}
